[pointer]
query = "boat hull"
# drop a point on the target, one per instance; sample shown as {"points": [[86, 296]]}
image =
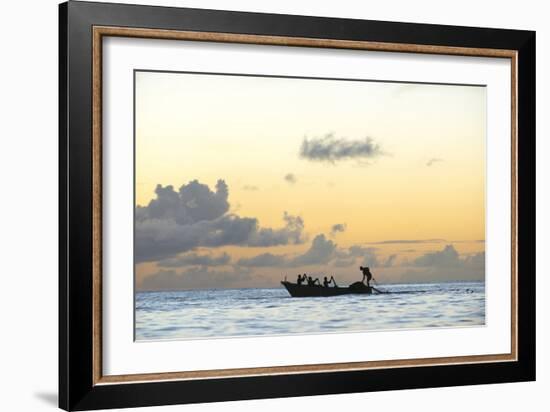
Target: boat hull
{"points": [[305, 291]]}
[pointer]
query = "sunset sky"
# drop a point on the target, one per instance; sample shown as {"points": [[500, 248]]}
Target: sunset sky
{"points": [[241, 180]]}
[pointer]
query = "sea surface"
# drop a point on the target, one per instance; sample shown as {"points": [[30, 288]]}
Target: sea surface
{"points": [[213, 313]]}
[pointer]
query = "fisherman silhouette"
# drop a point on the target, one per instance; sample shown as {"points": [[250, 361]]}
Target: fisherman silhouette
{"points": [[311, 282], [300, 279], [366, 274], [326, 282]]}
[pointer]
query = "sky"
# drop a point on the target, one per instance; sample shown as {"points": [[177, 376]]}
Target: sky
{"points": [[243, 180]]}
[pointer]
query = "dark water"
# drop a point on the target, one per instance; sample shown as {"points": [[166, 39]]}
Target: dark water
{"points": [[253, 312]]}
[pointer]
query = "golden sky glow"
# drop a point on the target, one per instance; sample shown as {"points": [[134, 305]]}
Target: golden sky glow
{"points": [[426, 182]]}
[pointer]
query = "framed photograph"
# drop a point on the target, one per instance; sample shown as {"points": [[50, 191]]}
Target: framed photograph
{"points": [[256, 205]]}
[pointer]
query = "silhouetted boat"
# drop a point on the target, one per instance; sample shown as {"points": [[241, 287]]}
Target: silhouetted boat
{"points": [[305, 291]]}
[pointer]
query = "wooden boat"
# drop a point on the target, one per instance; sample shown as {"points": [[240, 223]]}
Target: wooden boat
{"points": [[305, 291]]}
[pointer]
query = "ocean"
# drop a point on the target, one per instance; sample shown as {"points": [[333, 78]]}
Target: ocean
{"points": [[193, 314]]}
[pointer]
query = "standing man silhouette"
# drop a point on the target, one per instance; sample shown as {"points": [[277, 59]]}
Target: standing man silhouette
{"points": [[366, 274]]}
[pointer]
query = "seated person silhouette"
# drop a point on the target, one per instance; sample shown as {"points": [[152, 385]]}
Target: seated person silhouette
{"points": [[300, 279], [366, 274], [326, 282], [311, 282]]}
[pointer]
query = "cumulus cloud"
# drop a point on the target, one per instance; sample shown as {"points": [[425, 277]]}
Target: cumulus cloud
{"points": [[445, 264], [338, 228], [370, 258], [367, 256], [321, 251], [364, 256], [291, 233], [358, 251], [332, 149], [344, 262], [446, 257], [433, 160], [265, 259], [193, 202], [196, 259], [290, 178], [195, 216]]}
